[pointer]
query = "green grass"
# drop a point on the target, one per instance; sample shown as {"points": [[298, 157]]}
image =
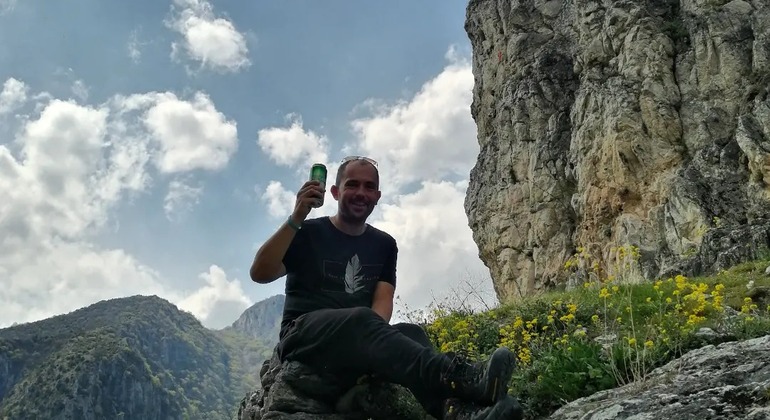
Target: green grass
{"points": [[606, 332]]}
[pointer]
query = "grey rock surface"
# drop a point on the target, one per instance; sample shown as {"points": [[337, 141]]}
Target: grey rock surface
{"points": [[610, 123], [292, 391], [727, 381], [262, 320]]}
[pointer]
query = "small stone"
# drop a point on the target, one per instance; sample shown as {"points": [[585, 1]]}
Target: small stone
{"points": [[705, 332]]}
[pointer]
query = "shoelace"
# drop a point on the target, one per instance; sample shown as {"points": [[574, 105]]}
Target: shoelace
{"points": [[460, 371]]}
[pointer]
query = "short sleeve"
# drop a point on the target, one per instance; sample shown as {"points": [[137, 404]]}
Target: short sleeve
{"points": [[293, 256], [389, 269]]}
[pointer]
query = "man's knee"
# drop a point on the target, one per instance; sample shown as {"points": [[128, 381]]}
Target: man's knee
{"points": [[363, 314], [409, 329], [414, 332]]}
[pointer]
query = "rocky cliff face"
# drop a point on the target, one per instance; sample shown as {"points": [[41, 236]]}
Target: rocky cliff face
{"points": [[262, 320], [606, 123]]}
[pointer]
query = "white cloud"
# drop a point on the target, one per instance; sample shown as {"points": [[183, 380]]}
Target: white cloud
{"points": [[51, 277], [294, 145], [429, 137], [180, 199], [61, 151], [280, 201], [13, 94], [212, 41], [219, 302], [61, 177], [191, 134], [56, 193]]}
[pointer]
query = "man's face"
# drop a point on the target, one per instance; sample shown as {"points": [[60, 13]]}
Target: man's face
{"points": [[357, 193]]}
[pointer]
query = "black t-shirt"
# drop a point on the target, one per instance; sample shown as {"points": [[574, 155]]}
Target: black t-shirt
{"points": [[327, 268]]}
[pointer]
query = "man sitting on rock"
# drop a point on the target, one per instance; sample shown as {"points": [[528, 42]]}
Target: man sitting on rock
{"points": [[340, 284]]}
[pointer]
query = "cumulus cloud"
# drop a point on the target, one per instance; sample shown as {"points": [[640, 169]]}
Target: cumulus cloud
{"points": [[212, 41], [58, 190], [279, 200], [219, 301], [426, 146], [292, 146], [68, 167], [13, 95], [429, 137], [189, 134]]}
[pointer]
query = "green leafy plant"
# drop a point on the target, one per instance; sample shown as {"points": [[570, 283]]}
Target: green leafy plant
{"points": [[612, 329]]}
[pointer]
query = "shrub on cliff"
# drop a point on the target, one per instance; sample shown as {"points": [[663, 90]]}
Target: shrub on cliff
{"points": [[608, 331]]}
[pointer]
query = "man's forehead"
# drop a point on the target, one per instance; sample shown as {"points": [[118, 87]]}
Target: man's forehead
{"points": [[360, 170]]}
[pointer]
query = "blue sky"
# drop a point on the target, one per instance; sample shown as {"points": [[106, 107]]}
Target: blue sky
{"points": [[151, 146]]}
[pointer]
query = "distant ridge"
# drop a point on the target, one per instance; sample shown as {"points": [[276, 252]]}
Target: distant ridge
{"points": [[262, 320]]}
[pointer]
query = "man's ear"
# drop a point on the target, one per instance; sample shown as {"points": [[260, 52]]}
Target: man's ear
{"points": [[335, 192]]}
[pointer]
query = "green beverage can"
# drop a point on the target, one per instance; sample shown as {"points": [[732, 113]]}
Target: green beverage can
{"points": [[318, 173]]}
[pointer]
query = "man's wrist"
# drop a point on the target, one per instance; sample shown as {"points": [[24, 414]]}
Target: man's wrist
{"points": [[292, 224]]}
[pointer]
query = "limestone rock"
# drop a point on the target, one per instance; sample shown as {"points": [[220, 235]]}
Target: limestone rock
{"points": [[728, 381], [292, 391], [604, 124]]}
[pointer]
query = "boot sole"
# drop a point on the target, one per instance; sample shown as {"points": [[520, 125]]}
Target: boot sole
{"points": [[501, 365]]}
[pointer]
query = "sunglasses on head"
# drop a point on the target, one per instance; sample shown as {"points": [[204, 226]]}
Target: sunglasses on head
{"points": [[364, 158]]}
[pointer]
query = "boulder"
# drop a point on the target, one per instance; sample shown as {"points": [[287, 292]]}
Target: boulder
{"points": [[726, 381], [294, 391]]}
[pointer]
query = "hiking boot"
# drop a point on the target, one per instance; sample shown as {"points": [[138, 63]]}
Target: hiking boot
{"points": [[482, 382], [507, 408]]}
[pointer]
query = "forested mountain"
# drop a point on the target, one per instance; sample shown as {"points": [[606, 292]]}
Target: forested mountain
{"points": [[133, 358]]}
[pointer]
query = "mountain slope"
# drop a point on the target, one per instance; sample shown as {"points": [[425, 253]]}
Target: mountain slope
{"points": [[262, 320], [136, 357]]}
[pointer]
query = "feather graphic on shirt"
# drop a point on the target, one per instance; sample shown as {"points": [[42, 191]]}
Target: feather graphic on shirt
{"points": [[353, 278]]}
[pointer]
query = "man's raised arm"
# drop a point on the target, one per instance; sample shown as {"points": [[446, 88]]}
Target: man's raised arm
{"points": [[268, 263]]}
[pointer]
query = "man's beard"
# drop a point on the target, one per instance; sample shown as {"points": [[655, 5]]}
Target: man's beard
{"points": [[350, 216]]}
